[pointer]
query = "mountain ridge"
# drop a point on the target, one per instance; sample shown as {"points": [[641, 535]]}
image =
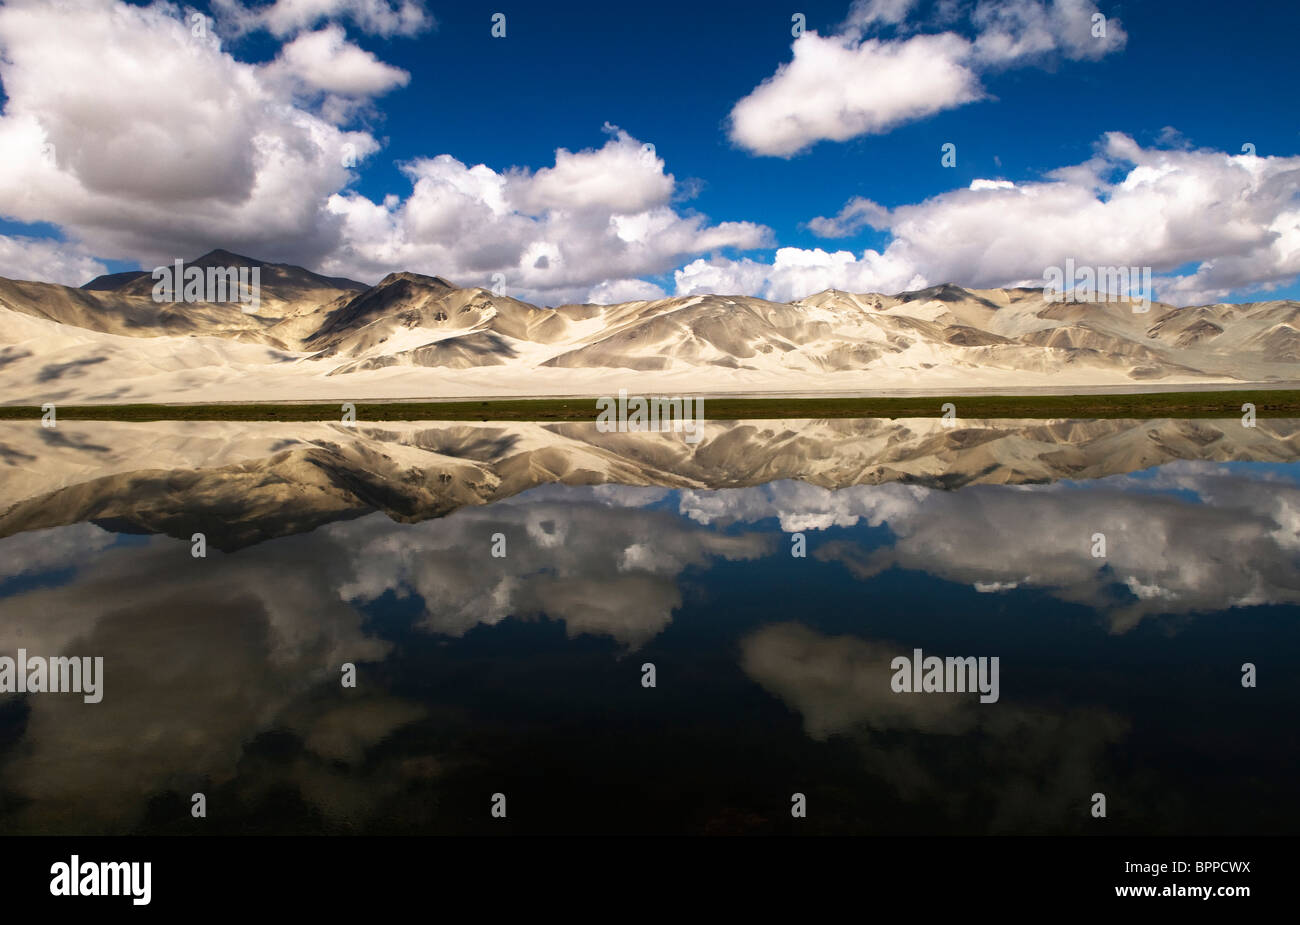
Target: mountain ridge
{"points": [[417, 335], [243, 484]]}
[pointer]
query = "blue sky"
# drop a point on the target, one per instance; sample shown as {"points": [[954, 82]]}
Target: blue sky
{"points": [[670, 72], [1194, 78]]}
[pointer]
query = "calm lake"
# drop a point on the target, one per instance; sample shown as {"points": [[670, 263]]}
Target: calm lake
{"points": [[626, 633]]}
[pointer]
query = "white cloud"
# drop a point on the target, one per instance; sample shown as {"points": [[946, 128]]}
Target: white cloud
{"points": [[843, 86], [286, 17], [623, 177], [836, 88], [991, 184], [797, 272], [578, 231], [149, 163], [327, 61], [1236, 217], [724, 276], [46, 261], [602, 571], [201, 150], [1011, 31], [858, 213], [614, 291], [867, 13], [1162, 545]]}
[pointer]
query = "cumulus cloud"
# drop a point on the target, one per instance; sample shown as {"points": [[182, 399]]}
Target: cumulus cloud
{"points": [[561, 233], [1235, 218], [182, 697], [1037, 758], [592, 559], [326, 60], [991, 184], [1165, 537], [46, 261], [264, 634], [797, 272], [851, 84], [621, 177], [195, 151], [614, 291], [837, 88], [51, 550], [798, 506], [203, 151]]}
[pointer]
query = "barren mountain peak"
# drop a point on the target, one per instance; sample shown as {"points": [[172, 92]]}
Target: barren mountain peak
{"points": [[408, 276], [414, 335]]}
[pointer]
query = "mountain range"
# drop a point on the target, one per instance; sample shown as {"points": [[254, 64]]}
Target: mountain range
{"points": [[416, 336], [242, 483]]}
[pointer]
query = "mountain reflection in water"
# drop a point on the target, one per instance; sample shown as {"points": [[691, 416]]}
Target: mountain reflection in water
{"points": [[522, 674]]}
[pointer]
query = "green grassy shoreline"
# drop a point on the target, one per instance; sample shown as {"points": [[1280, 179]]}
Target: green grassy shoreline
{"points": [[1268, 403]]}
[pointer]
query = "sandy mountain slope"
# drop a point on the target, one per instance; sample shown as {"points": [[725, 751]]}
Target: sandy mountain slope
{"points": [[286, 290], [415, 336], [413, 320], [111, 281], [242, 483], [123, 304], [109, 312]]}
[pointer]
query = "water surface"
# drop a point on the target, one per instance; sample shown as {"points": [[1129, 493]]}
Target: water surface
{"points": [[523, 674]]}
